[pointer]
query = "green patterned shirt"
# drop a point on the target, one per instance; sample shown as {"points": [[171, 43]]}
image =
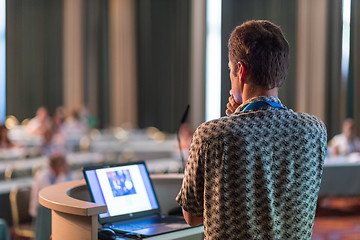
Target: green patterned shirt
{"points": [[256, 174]]}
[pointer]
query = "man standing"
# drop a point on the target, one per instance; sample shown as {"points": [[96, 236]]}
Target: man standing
{"points": [[256, 173]]}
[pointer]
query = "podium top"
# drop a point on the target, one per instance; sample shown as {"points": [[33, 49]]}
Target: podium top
{"points": [[61, 197]]}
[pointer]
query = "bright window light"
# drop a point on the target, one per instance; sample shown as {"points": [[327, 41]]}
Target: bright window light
{"points": [[346, 39], [2, 61], [213, 59]]}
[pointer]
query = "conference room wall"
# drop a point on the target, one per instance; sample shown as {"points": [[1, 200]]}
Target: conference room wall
{"points": [[335, 106], [33, 56], [163, 30], [354, 76]]}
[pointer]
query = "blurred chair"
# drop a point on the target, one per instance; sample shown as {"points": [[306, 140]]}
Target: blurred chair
{"points": [[4, 231], [22, 221], [85, 144], [35, 169], [43, 223], [14, 173], [110, 157]]}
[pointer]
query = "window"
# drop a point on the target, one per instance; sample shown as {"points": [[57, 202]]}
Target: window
{"points": [[345, 40], [213, 59], [2, 61]]}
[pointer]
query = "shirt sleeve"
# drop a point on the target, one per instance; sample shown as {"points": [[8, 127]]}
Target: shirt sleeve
{"points": [[191, 195]]}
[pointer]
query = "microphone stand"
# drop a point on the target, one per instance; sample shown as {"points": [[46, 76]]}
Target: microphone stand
{"points": [[183, 119], [181, 152]]}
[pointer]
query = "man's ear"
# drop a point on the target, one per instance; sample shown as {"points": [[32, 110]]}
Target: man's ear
{"points": [[241, 71]]}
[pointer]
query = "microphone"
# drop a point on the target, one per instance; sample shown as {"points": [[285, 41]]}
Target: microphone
{"points": [[183, 120], [184, 117]]}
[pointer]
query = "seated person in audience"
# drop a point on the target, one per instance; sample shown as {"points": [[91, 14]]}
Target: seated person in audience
{"points": [[347, 142], [7, 147], [185, 133], [58, 120], [75, 124], [5, 142], [57, 171], [53, 138], [52, 143], [40, 123]]}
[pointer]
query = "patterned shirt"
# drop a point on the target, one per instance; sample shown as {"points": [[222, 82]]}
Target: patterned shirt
{"points": [[256, 174]]}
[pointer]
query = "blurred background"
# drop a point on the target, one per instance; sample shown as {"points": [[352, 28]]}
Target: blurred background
{"points": [[108, 81], [140, 62]]}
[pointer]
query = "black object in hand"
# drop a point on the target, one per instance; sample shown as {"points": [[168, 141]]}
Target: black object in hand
{"points": [[106, 234]]}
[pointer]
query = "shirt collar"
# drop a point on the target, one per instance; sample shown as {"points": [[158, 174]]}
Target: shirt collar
{"points": [[256, 99]]}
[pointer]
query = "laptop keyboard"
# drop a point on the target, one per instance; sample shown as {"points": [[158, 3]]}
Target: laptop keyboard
{"points": [[129, 227], [137, 225], [147, 223]]}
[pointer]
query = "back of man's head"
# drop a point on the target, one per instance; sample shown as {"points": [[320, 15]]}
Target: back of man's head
{"points": [[261, 46]]}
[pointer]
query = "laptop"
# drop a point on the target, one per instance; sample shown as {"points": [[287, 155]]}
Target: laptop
{"points": [[127, 191]]}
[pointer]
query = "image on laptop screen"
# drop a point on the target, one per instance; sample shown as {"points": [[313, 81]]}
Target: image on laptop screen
{"points": [[125, 189]]}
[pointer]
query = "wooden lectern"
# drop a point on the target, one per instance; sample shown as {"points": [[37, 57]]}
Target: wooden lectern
{"points": [[73, 215]]}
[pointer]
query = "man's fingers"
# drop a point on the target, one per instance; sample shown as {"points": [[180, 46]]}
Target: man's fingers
{"points": [[230, 107]]}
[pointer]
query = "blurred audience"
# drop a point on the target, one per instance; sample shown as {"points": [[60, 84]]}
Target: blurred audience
{"points": [[58, 120], [40, 123], [52, 143], [75, 124], [347, 142], [185, 137], [5, 142], [54, 139], [185, 133], [59, 132], [56, 172], [8, 149]]}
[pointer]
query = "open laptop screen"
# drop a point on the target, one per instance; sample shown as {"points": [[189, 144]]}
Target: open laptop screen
{"points": [[126, 189]]}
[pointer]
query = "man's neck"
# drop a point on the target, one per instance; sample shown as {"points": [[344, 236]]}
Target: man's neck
{"points": [[256, 91]]}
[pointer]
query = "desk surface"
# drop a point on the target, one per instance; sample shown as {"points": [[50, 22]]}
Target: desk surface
{"points": [[341, 177], [195, 233]]}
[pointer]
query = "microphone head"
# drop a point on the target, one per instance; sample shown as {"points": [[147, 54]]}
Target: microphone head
{"points": [[184, 117]]}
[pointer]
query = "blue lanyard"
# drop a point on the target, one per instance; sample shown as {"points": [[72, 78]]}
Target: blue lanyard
{"points": [[259, 104]]}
